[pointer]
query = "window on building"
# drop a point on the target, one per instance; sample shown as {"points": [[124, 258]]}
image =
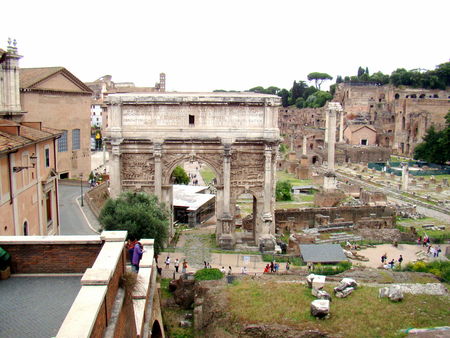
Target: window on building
{"points": [[47, 157], [62, 142], [363, 142], [76, 139], [25, 228], [26, 172], [191, 120], [48, 204]]}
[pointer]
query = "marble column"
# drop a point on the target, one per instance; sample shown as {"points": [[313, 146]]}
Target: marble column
{"points": [[115, 169], [326, 126], [331, 138], [405, 176], [157, 153], [226, 180], [304, 145], [267, 182], [341, 128]]}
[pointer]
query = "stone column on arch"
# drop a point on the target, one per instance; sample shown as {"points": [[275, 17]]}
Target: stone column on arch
{"points": [[157, 153], [267, 227], [115, 168], [226, 179], [326, 126]]}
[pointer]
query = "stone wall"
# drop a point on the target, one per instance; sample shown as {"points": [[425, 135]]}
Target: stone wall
{"points": [[54, 254], [97, 197], [305, 218]]}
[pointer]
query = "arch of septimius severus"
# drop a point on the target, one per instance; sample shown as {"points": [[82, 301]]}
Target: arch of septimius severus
{"points": [[236, 134]]}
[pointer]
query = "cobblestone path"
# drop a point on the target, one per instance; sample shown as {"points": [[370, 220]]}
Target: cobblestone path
{"points": [[196, 248]]}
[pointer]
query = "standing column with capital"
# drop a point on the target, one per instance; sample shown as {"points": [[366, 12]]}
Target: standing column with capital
{"points": [[341, 128], [331, 138], [326, 126], [115, 184], [304, 145], [267, 214], [157, 153], [226, 179]]}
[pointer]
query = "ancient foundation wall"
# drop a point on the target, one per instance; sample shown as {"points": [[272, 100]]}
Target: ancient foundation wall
{"points": [[305, 218]]}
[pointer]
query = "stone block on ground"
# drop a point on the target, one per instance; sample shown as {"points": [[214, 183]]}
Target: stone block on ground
{"points": [[346, 283], [320, 294], [394, 293], [344, 293], [320, 308], [309, 279], [318, 282]]}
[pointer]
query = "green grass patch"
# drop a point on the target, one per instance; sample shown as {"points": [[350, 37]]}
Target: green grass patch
{"points": [[284, 176], [328, 270], [362, 314], [297, 261], [208, 274], [440, 269], [207, 174]]}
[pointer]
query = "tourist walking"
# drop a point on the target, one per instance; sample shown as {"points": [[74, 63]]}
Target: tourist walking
{"points": [[288, 265], [229, 270], [184, 266], [176, 264], [167, 262], [137, 256], [384, 258], [400, 260]]}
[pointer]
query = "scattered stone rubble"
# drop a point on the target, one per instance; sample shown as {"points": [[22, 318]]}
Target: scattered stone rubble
{"points": [[320, 308], [345, 288], [394, 293]]}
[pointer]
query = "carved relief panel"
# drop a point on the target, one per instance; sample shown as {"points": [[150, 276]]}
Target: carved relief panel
{"points": [[247, 168], [137, 168]]}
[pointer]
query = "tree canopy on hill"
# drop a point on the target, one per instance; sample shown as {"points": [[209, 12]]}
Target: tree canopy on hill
{"points": [[435, 147], [438, 78]]}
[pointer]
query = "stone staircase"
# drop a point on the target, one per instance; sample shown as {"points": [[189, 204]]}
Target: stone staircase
{"points": [[339, 237]]}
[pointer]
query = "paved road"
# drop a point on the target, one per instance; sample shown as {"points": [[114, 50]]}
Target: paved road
{"points": [[72, 219]]}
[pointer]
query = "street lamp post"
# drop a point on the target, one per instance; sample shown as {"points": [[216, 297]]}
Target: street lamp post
{"points": [[81, 187]]}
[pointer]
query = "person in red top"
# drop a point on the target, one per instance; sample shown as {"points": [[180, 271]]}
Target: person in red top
{"points": [[130, 247]]}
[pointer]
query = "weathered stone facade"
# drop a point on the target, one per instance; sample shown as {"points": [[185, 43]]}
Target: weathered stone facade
{"points": [[235, 134]]}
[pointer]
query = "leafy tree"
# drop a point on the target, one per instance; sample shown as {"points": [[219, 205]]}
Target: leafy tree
{"points": [[360, 71], [339, 79], [272, 90], [284, 93], [435, 147], [332, 89], [300, 102], [257, 89], [283, 148], [283, 191], [138, 213], [180, 176], [318, 99], [319, 78]]}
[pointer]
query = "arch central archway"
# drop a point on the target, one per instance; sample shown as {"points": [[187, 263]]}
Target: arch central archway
{"points": [[235, 134]]}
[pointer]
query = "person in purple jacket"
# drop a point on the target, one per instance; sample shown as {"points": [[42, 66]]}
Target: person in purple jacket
{"points": [[137, 255]]}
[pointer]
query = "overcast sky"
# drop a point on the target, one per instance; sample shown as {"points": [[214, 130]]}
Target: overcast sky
{"points": [[207, 45]]}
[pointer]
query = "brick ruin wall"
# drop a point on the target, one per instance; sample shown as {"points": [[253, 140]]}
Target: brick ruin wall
{"points": [[299, 219], [51, 258]]}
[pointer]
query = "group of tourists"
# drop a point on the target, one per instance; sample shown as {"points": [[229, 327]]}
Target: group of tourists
{"points": [[391, 264], [431, 250], [176, 264], [274, 267]]}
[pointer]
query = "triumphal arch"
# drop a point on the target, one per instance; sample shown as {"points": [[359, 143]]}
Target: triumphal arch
{"points": [[236, 134]]}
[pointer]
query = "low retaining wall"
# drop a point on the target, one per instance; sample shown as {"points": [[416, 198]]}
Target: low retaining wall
{"points": [[299, 219], [96, 198], [51, 254]]}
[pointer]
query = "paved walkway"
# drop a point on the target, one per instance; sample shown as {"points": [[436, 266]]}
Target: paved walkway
{"points": [[35, 306]]}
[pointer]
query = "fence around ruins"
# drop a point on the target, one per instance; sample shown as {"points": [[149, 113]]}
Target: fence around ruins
{"points": [[416, 168]]}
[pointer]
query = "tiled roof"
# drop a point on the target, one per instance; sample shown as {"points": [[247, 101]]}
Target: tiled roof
{"points": [[321, 253], [26, 136], [31, 76], [355, 127]]}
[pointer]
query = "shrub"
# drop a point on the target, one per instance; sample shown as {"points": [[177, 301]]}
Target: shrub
{"points": [[283, 191], [440, 269], [208, 274], [332, 269], [282, 259]]}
